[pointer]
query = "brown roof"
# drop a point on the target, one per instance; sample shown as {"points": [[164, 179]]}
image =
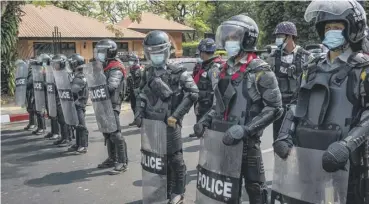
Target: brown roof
{"points": [[150, 21], [39, 22]]}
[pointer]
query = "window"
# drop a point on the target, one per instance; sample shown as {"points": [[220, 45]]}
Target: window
{"points": [[67, 48]]}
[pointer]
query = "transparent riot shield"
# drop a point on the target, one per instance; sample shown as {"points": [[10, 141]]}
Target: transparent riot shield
{"points": [[21, 82], [301, 177], [154, 161], [39, 87], [99, 95], [50, 88], [64, 88], [218, 171]]}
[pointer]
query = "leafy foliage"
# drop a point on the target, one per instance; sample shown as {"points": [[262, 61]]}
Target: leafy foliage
{"points": [[10, 19]]}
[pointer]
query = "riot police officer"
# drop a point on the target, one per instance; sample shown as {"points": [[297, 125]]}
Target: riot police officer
{"points": [[247, 101], [51, 99], [105, 52], [65, 133], [80, 96], [30, 99], [332, 112], [38, 82], [167, 92], [206, 77], [287, 63], [134, 79]]}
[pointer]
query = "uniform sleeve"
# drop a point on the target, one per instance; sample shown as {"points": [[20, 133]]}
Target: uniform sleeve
{"points": [[191, 95], [78, 84], [213, 74], [360, 133], [115, 78], [270, 94]]}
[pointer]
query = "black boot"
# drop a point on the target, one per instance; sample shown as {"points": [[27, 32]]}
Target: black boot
{"points": [[192, 135], [41, 125], [121, 148], [82, 137], [110, 161], [31, 122], [65, 143], [132, 123], [48, 135], [176, 199]]}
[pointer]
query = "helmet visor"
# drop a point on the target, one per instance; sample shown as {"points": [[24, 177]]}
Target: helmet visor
{"points": [[329, 7], [157, 48], [100, 53], [229, 32]]}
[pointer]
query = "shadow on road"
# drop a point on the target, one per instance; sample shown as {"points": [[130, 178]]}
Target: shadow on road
{"points": [[194, 148], [41, 157], [135, 202], [13, 134], [61, 178], [189, 139]]}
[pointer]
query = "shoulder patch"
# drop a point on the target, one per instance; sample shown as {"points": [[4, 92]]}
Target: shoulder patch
{"points": [[363, 75]]}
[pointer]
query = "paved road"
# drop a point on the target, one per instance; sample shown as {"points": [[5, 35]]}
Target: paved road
{"points": [[33, 171]]}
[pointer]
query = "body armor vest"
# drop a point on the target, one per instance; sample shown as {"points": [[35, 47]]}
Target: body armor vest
{"points": [[205, 86], [325, 106], [234, 104], [287, 74], [158, 108]]}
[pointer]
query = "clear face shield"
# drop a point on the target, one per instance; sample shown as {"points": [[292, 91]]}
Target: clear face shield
{"points": [[158, 54], [230, 37], [330, 7], [101, 53]]}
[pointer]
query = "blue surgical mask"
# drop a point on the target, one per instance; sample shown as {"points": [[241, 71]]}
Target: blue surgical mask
{"points": [[101, 57], [199, 60], [131, 63], [232, 48], [157, 59], [279, 41], [333, 39]]}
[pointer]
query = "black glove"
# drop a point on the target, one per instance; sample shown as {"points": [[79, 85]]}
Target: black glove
{"points": [[282, 148], [199, 129], [138, 121], [335, 157], [234, 135]]}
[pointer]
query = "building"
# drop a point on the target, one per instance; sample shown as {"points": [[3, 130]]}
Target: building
{"points": [[79, 34], [150, 21]]}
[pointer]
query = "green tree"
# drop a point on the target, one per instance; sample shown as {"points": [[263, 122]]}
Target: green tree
{"points": [[10, 17]]}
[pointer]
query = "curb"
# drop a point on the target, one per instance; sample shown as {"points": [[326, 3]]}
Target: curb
{"points": [[25, 116]]}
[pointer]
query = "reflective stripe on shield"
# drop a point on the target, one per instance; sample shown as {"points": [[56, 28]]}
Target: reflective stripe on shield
{"points": [[65, 94], [218, 171], [50, 89], [38, 87], [99, 95], [154, 161], [302, 178], [21, 83]]}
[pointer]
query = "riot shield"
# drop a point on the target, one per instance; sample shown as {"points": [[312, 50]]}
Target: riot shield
{"points": [[154, 161], [99, 95], [301, 177], [64, 88], [50, 87], [21, 82], [38, 87], [218, 171]]}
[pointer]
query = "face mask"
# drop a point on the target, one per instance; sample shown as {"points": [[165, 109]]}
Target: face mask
{"points": [[232, 48], [157, 59], [199, 60], [101, 57], [333, 39], [279, 41], [130, 62]]}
